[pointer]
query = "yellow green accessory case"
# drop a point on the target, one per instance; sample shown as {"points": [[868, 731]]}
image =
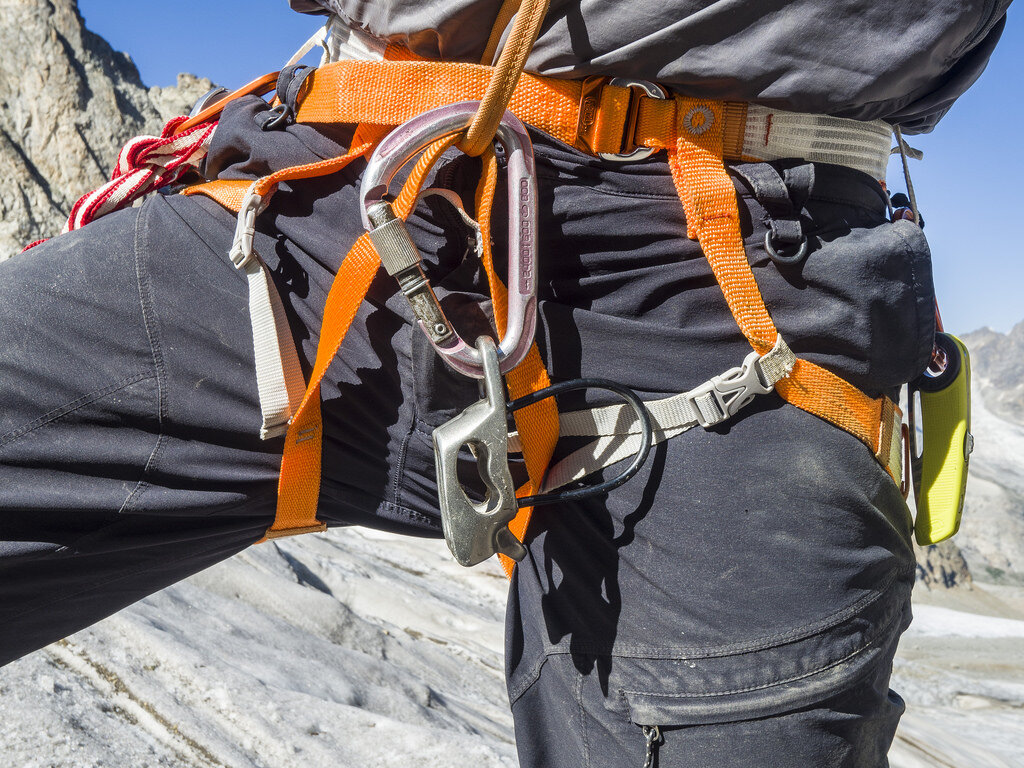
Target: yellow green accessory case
{"points": [[941, 443]]}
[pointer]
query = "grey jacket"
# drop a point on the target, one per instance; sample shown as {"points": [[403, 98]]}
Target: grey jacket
{"points": [[905, 62]]}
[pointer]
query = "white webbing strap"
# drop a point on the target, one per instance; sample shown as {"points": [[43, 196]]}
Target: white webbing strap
{"points": [[774, 134], [617, 430], [279, 378]]}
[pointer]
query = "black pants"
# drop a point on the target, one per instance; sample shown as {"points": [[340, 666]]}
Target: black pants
{"points": [[744, 592]]}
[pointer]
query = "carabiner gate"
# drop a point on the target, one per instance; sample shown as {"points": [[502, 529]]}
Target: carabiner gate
{"points": [[401, 258]]}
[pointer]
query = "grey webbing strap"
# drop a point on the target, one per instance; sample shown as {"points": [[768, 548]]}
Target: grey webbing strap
{"points": [[617, 431], [279, 378]]}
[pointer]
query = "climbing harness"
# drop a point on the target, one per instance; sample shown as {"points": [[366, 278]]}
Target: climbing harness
{"points": [[403, 107]]}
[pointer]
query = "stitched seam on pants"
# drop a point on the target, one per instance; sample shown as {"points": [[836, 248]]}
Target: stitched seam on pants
{"points": [[403, 451], [150, 320], [711, 694], [583, 720], [695, 652], [528, 679], [74, 405]]}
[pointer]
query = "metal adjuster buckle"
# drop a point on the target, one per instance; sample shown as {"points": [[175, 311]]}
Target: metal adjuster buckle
{"points": [[724, 395], [590, 107]]}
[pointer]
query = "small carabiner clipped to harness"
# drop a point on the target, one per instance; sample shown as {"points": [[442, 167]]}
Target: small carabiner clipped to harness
{"points": [[401, 258]]}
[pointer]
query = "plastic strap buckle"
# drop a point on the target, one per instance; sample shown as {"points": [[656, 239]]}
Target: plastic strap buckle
{"points": [[722, 396], [253, 205]]}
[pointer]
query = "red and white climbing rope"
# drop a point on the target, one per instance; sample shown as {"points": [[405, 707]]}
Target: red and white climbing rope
{"points": [[145, 164]]}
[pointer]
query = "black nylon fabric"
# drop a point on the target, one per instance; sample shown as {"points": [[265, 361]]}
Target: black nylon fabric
{"points": [[758, 570], [901, 62]]}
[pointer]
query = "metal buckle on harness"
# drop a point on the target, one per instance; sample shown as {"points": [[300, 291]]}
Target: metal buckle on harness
{"points": [[589, 110], [401, 258], [722, 396]]}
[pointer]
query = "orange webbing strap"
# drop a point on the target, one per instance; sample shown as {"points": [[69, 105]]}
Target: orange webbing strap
{"points": [[537, 424], [712, 216], [228, 192], [507, 71], [569, 110], [401, 90], [299, 485]]}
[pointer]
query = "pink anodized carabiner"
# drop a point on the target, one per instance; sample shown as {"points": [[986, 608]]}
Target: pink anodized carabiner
{"points": [[401, 258]]}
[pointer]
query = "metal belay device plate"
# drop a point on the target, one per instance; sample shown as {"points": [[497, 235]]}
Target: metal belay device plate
{"points": [[476, 530]]}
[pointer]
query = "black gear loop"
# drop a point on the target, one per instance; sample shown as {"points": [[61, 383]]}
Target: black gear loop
{"points": [[275, 118], [782, 194]]}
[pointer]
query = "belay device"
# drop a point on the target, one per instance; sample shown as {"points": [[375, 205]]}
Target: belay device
{"points": [[940, 454]]}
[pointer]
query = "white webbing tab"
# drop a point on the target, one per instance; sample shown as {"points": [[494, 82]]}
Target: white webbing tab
{"points": [[775, 134], [456, 202], [279, 378], [617, 430]]}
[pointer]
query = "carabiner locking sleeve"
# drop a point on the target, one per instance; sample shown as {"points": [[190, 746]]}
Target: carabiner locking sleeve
{"points": [[401, 258]]}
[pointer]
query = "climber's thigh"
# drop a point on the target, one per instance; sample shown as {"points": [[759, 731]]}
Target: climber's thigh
{"points": [[129, 448], [744, 592], [746, 602]]}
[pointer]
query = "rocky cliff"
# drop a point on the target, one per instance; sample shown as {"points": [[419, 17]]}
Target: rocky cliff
{"points": [[68, 102]]}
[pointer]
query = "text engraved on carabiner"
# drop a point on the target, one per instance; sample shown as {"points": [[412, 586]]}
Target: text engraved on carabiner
{"points": [[526, 255]]}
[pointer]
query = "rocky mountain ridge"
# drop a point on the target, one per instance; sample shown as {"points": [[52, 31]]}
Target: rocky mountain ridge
{"points": [[997, 363], [68, 103]]}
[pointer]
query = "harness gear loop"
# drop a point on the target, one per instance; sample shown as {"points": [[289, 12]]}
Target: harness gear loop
{"points": [[279, 378]]}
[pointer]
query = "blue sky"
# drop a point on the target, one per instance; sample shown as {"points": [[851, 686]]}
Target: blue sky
{"points": [[967, 184]]}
